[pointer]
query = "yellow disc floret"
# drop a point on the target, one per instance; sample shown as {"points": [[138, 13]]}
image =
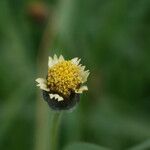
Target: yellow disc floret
{"points": [[64, 77]]}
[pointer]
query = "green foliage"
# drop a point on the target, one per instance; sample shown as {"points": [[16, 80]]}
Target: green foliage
{"points": [[142, 146], [84, 146]]}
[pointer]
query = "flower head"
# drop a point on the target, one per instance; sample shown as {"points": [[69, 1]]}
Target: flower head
{"points": [[64, 82]]}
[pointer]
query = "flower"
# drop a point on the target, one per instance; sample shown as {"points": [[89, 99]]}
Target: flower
{"points": [[64, 82]]}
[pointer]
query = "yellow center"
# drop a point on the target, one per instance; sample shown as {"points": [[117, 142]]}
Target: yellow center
{"points": [[64, 77]]}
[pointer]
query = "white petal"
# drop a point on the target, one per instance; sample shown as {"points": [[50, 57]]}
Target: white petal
{"points": [[44, 87], [51, 96], [83, 67], [50, 62], [81, 89], [55, 60], [41, 80], [61, 58], [75, 60], [78, 61], [84, 75], [42, 83], [56, 96]]}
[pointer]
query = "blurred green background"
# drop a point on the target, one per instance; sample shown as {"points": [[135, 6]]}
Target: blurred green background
{"points": [[113, 39]]}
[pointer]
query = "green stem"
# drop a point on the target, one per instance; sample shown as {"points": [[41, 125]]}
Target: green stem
{"points": [[56, 118]]}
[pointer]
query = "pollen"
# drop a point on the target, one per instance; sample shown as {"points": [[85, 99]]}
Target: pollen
{"points": [[63, 78]]}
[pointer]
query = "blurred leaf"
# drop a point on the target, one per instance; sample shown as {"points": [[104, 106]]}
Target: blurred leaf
{"points": [[85, 146], [143, 146]]}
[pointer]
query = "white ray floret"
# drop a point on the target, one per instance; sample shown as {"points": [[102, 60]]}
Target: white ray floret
{"points": [[81, 89], [42, 83], [55, 60], [75, 60], [61, 58], [56, 96], [82, 68], [50, 62], [84, 75], [78, 61], [41, 80]]}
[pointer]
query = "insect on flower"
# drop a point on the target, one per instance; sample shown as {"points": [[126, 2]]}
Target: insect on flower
{"points": [[64, 82]]}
